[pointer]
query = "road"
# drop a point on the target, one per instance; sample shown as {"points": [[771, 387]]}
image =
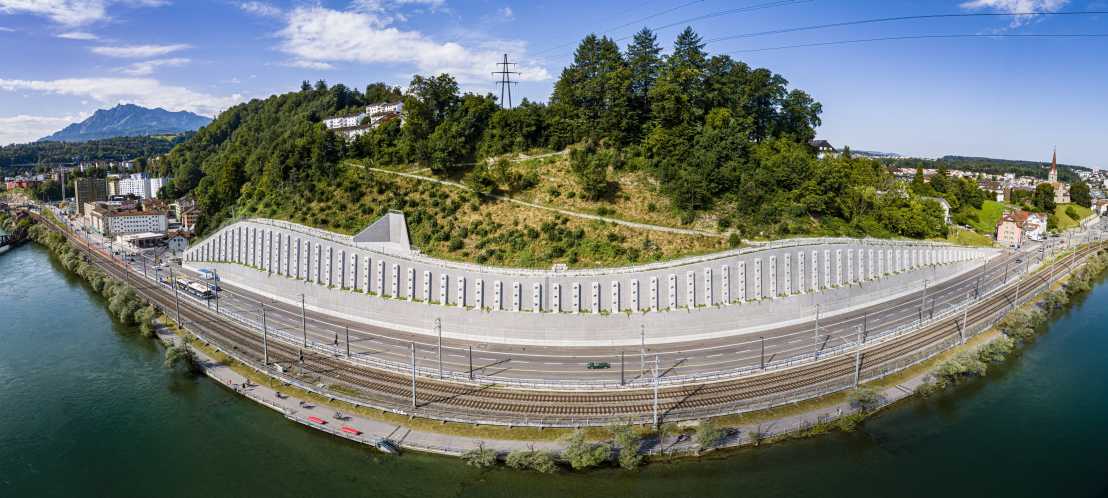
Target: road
{"points": [[566, 364]]}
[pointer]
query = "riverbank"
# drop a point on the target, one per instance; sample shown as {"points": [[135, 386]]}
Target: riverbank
{"points": [[814, 421]]}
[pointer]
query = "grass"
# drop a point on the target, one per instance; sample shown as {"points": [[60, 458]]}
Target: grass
{"points": [[968, 238], [1064, 222], [450, 223], [987, 216]]}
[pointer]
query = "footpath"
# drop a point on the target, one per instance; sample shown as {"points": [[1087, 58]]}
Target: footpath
{"points": [[372, 432]]}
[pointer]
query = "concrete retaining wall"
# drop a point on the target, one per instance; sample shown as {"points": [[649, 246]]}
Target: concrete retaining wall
{"points": [[706, 296]]}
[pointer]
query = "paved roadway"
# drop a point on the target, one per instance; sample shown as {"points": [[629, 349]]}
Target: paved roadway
{"points": [[567, 363]]}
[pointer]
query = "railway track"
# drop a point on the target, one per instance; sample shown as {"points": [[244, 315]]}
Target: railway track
{"points": [[491, 402]]}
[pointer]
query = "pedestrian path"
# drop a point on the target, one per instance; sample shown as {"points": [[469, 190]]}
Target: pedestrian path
{"points": [[371, 431]]}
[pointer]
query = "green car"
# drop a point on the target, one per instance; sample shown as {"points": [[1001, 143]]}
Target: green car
{"points": [[596, 365]]}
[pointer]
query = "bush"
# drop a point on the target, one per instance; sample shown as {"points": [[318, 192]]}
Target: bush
{"points": [[581, 454], [997, 350], [629, 443], [531, 460], [864, 398], [708, 434], [480, 457]]}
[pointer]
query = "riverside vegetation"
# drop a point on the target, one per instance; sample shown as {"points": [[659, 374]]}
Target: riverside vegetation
{"points": [[123, 302], [684, 139]]}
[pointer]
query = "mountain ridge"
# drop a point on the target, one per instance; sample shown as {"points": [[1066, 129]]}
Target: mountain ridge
{"points": [[126, 120]]}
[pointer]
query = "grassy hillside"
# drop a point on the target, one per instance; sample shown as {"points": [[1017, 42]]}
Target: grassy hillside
{"points": [[1064, 221], [451, 223], [987, 216]]}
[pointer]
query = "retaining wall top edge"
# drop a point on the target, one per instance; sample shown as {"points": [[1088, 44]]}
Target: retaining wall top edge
{"points": [[585, 272]]}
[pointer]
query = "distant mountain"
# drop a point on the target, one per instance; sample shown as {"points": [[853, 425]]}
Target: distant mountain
{"points": [[126, 120]]}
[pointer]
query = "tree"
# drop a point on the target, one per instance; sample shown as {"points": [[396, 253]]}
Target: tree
{"points": [[1043, 199], [628, 442], [1080, 195], [645, 61], [590, 166], [708, 434], [799, 116], [864, 399], [594, 93], [181, 353], [581, 454], [530, 459]]}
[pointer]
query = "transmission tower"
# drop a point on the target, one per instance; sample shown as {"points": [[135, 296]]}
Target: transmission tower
{"points": [[505, 74]]}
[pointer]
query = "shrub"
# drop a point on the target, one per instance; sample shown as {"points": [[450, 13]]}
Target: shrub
{"points": [[581, 454], [864, 398], [531, 460], [480, 457], [708, 434], [629, 443], [997, 350]]}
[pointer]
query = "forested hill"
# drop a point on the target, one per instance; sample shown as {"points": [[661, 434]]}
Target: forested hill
{"points": [[684, 138], [1066, 172], [25, 156]]}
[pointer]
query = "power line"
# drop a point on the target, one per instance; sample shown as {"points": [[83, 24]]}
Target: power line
{"points": [[922, 37], [896, 19], [727, 12], [710, 15], [629, 23], [505, 81]]}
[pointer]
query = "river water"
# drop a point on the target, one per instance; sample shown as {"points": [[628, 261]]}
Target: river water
{"points": [[86, 409]]}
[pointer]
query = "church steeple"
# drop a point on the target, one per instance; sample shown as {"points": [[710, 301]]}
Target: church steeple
{"points": [[1053, 177]]}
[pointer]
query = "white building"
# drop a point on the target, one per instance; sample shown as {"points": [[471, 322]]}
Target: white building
{"points": [[384, 108], [140, 185]]}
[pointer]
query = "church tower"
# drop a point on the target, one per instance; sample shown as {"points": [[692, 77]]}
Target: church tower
{"points": [[1053, 177]]}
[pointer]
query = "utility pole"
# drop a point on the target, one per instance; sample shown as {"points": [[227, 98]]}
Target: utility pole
{"points": [[655, 391], [642, 350], [470, 362], [265, 338], [621, 377], [922, 300], [965, 317], [763, 360], [438, 328], [865, 325], [303, 320], [858, 359], [176, 299], [348, 342], [815, 347], [413, 377], [505, 80]]}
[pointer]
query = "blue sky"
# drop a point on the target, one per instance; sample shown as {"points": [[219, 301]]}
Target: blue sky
{"points": [[1001, 97]]}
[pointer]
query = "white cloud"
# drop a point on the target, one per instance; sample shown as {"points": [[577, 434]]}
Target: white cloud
{"points": [[1016, 7], [78, 35], [506, 13], [23, 128], [261, 9], [303, 64], [146, 68], [70, 12], [6, 30], [142, 91], [318, 34], [139, 51]]}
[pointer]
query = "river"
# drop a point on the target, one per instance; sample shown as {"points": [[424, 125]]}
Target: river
{"points": [[88, 410]]}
